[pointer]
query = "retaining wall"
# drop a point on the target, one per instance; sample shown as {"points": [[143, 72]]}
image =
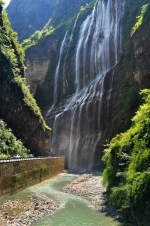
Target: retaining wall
{"points": [[20, 174]]}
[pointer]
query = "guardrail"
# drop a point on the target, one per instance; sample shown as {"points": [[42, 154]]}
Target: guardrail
{"points": [[28, 158]]}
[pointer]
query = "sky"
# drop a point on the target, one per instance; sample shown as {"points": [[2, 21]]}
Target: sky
{"points": [[6, 2]]}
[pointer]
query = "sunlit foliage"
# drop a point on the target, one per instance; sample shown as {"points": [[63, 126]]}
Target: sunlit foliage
{"points": [[127, 159], [140, 19], [14, 53], [49, 29], [9, 145]]}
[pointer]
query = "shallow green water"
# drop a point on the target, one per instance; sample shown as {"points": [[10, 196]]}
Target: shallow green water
{"points": [[75, 211]]}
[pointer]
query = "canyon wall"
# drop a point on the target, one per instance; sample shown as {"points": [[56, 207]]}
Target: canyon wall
{"points": [[84, 69], [90, 76], [18, 107]]}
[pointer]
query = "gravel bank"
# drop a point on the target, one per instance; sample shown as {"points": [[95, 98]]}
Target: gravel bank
{"points": [[90, 186], [24, 212]]}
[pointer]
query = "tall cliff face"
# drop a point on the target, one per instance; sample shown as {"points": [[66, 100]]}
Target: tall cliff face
{"points": [[141, 44], [47, 52], [132, 71], [90, 75], [18, 108], [29, 16], [66, 9]]}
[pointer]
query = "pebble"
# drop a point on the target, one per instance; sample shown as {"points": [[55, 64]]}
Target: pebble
{"points": [[90, 186], [30, 211], [38, 205]]}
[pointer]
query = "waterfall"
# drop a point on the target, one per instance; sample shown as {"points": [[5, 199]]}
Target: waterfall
{"points": [[64, 63], [57, 73], [60, 71], [80, 127], [58, 68], [82, 35], [104, 27]]}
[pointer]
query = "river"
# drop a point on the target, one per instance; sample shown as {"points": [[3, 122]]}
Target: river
{"points": [[74, 210]]}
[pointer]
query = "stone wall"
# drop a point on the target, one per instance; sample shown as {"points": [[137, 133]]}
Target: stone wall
{"points": [[20, 174]]}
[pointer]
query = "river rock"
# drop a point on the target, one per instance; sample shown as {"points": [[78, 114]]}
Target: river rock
{"points": [[28, 211], [90, 186]]}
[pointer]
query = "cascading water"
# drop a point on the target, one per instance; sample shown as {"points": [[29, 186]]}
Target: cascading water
{"points": [[62, 48], [56, 81], [80, 127]]}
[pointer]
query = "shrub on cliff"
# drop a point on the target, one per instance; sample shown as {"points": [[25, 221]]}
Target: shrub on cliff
{"points": [[143, 18], [14, 53], [127, 159], [9, 145], [51, 26]]}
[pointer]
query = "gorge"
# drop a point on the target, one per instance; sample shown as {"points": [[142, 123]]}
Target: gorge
{"points": [[86, 63], [80, 68]]}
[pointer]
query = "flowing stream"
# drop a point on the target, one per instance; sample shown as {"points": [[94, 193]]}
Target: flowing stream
{"points": [[74, 211]]}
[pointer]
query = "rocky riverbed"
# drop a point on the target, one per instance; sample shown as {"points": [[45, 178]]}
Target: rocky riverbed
{"points": [[90, 186], [25, 211], [21, 212]]}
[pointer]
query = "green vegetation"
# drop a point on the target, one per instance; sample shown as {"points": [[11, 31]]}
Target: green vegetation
{"points": [[132, 11], [44, 168], [46, 31], [1, 2], [30, 101], [10, 46], [9, 145], [127, 159], [87, 7], [49, 28], [38, 36], [142, 18], [14, 53]]}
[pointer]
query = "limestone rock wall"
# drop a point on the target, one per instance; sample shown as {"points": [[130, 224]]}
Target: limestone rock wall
{"points": [[40, 63], [24, 123], [141, 44], [37, 67]]}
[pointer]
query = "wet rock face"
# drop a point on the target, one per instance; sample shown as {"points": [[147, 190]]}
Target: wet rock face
{"points": [[42, 59], [79, 132], [141, 43]]}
